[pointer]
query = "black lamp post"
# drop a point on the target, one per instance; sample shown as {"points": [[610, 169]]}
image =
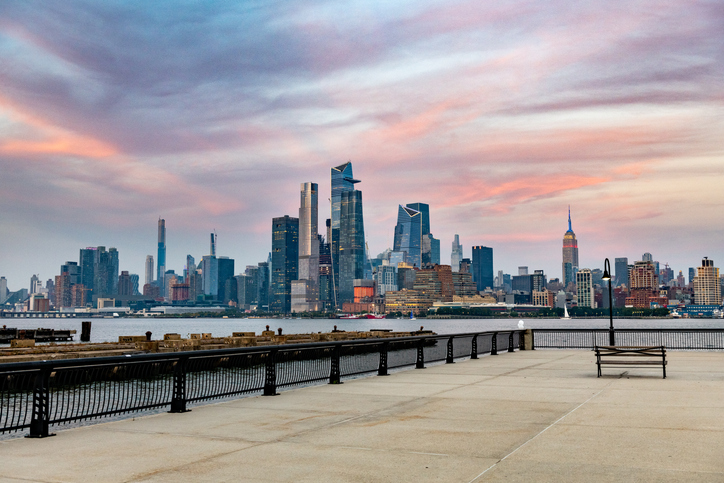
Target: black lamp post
{"points": [[607, 276]]}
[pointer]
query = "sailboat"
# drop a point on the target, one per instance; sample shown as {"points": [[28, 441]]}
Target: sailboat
{"points": [[565, 313], [412, 316]]}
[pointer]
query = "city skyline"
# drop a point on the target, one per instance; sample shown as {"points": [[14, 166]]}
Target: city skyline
{"points": [[497, 116]]}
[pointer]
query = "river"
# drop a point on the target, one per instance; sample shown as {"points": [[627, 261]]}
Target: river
{"points": [[108, 330]]}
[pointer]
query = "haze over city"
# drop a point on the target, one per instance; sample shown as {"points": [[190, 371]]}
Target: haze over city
{"points": [[498, 116]]}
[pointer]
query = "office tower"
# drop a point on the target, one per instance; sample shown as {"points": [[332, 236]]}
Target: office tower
{"points": [[692, 274], [86, 263], [408, 235], [225, 272], [482, 268], [386, 278], [4, 290], [169, 279], [647, 257], [457, 254], [149, 269], [213, 244], [308, 248], [465, 265], [161, 256], [644, 284], [352, 257], [424, 210], [262, 296], [125, 286], [570, 253], [103, 272], [707, 287], [621, 267], [210, 274], [190, 266], [434, 249], [231, 291], [135, 283], [49, 286], [522, 270], [72, 269], [584, 286], [430, 246], [342, 182], [284, 266]]}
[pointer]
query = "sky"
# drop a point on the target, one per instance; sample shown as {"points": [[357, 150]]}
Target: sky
{"points": [[498, 114]]}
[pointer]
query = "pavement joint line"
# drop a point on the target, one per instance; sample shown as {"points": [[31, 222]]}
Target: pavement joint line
{"points": [[427, 454], [543, 431]]}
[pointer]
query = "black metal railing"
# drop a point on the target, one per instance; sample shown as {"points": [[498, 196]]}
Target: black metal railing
{"points": [[672, 339], [38, 395]]}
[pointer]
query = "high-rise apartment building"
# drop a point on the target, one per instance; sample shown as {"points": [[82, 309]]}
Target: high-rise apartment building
{"points": [[284, 263], [584, 287], [63, 290], [647, 257], [692, 274], [621, 268], [707, 287], [72, 269], [352, 259], [161, 256], [644, 284], [225, 267], [125, 286], [308, 247], [570, 254], [482, 267], [408, 235], [342, 182], [149, 269], [105, 272], [457, 254]]}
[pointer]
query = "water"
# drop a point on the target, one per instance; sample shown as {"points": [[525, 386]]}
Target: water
{"points": [[108, 330]]}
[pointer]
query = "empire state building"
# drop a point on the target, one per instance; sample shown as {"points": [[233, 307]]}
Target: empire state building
{"points": [[570, 254]]}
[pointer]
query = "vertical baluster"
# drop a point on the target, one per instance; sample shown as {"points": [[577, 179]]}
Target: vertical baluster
{"points": [[334, 369], [39, 421], [382, 370], [270, 374], [474, 347], [420, 363], [450, 359], [494, 347], [178, 403]]}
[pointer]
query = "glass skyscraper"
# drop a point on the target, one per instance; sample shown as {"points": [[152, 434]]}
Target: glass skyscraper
{"points": [[483, 267], [347, 233], [309, 243], [161, 258], [284, 262], [351, 244], [408, 234]]}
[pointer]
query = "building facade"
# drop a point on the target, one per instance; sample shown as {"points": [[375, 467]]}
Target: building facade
{"points": [[352, 259], [457, 254], [707, 286], [482, 267], [161, 254], [570, 254], [284, 263], [584, 288], [308, 249], [408, 235], [342, 182]]}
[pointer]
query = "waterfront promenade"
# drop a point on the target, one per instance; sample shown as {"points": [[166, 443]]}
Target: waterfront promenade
{"points": [[526, 416]]}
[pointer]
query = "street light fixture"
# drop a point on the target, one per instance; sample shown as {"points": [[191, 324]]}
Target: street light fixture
{"points": [[607, 276]]}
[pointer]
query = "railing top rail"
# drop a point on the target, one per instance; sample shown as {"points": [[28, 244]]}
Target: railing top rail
{"points": [[170, 356], [649, 329]]}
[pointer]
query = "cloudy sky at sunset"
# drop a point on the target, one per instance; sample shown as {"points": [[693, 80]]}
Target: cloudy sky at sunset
{"points": [[497, 114]]}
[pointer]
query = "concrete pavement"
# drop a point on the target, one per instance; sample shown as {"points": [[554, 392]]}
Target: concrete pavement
{"points": [[528, 416]]}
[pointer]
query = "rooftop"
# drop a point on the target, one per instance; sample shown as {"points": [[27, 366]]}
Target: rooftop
{"points": [[529, 416]]}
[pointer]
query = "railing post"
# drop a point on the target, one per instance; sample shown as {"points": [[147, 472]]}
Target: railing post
{"points": [[474, 347], [420, 364], [382, 370], [40, 418], [334, 372], [510, 343], [532, 339], [494, 345], [270, 377], [449, 359], [178, 402]]}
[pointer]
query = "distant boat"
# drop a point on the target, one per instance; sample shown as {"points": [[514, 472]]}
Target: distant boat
{"points": [[412, 316], [565, 313]]}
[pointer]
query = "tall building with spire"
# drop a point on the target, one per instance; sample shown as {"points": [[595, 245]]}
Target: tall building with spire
{"points": [[161, 258], [570, 254], [307, 286]]}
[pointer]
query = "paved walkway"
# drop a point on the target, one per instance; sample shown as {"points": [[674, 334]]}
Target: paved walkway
{"points": [[530, 416]]}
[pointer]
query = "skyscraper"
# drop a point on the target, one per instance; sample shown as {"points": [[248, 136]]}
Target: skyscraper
{"points": [[429, 245], [570, 253], [149, 269], [161, 258], [644, 284], [86, 263], [284, 263], [309, 245], [621, 266], [707, 288], [584, 286], [351, 244], [408, 235], [457, 254], [225, 267], [483, 267], [647, 257], [342, 181]]}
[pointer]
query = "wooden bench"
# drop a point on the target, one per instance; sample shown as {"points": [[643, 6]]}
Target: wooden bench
{"points": [[630, 356]]}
